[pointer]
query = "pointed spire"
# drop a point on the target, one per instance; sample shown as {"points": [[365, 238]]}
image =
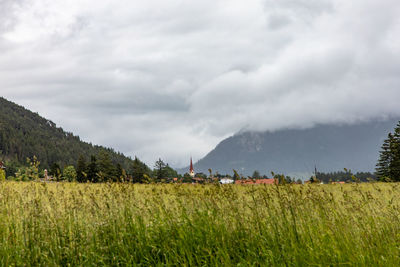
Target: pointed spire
{"points": [[191, 170]]}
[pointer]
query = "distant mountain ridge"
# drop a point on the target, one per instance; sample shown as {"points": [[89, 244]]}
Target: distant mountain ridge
{"points": [[25, 134], [296, 152]]}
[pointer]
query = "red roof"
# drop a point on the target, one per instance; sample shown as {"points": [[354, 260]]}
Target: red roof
{"points": [[256, 181]]}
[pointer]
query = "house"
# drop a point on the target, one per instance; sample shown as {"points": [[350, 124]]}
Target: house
{"points": [[340, 182], [257, 181], [226, 181]]}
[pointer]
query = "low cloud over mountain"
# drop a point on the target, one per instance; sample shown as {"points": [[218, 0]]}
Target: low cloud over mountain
{"points": [[329, 148]]}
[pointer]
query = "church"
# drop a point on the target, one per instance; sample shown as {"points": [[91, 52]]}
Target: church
{"points": [[191, 170]]}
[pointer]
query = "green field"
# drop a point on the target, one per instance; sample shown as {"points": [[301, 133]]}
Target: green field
{"points": [[191, 225]]}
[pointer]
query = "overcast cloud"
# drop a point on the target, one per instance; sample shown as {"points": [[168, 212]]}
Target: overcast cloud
{"points": [[171, 78]]}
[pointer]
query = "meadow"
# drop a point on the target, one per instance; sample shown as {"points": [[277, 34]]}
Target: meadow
{"points": [[52, 224]]}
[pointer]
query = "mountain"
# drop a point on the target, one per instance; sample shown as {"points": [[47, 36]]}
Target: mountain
{"points": [[25, 134], [296, 152]]}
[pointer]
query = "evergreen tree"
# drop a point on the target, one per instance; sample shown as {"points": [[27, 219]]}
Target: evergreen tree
{"points": [[385, 159], [395, 151], [187, 178], [171, 173], [160, 170], [12, 168], [256, 175], [119, 173], [236, 175], [55, 171], [81, 169], [388, 166], [92, 170], [138, 170], [107, 171]]}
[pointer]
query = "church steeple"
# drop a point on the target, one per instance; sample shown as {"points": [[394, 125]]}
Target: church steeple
{"points": [[191, 170]]}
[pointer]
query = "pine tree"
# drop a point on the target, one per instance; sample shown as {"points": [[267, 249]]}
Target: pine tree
{"points": [[81, 175], [107, 171], [236, 175], [388, 166], [120, 173], [395, 152], [382, 167], [92, 170], [55, 170], [171, 173], [256, 175], [138, 171], [160, 170]]}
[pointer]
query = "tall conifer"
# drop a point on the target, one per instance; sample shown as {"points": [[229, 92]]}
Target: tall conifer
{"points": [[395, 152], [138, 171], [92, 170], [81, 175], [383, 165], [107, 171], [388, 166]]}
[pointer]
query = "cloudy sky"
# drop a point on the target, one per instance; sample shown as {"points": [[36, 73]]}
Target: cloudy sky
{"points": [[171, 78]]}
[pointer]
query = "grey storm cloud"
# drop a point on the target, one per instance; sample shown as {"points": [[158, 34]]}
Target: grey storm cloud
{"points": [[171, 78]]}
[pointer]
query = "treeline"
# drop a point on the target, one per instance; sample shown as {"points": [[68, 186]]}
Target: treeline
{"points": [[329, 177], [338, 176], [24, 134], [97, 169], [344, 176], [101, 169]]}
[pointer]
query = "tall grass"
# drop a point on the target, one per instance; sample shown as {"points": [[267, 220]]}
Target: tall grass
{"points": [[190, 225]]}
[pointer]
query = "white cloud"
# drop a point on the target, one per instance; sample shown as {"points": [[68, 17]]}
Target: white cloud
{"points": [[171, 78]]}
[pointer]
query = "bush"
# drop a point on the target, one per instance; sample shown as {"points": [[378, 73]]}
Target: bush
{"points": [[69, 174]]}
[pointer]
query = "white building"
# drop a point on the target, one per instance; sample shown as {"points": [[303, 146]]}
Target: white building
{"points": [[226, 181]]}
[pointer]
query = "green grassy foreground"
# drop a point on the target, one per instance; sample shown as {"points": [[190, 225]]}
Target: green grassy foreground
{"points": [[125, 224]]}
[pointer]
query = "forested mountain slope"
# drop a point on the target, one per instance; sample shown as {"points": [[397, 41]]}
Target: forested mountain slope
{"points": [[25, 134], [328, 147]]}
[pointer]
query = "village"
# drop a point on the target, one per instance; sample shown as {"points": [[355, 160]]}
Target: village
{"points": [[192, 177], [200, 178]]}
